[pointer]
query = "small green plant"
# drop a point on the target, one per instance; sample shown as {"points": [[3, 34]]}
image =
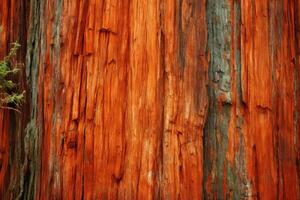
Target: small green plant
{"points": [[10, 97]]}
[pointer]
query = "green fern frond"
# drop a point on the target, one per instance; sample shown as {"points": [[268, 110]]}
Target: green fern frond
{"points": [[10, 97]]}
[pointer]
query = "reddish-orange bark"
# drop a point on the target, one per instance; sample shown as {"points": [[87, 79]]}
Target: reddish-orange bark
{"points": [[4, 153], [13, 22], [131, 99], [269, 84]]}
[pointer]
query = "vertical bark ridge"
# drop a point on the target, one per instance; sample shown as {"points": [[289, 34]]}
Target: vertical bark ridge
{"points": [[132, 99], [13, 22], [270, 56]]}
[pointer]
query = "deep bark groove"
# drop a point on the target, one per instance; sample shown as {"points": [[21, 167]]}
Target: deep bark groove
{"points": [[131, 99]]}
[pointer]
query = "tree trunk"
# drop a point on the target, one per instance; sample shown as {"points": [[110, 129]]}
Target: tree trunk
{"points": [[14, 15], [131, 99]]}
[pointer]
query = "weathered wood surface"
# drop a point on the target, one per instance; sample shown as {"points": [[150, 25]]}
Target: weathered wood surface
{"points": [[131, 99], [13, 21]]}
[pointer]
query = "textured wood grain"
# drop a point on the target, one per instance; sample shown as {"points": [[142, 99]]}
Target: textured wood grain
{"points": [[120, 98], [185, 99], [13, 21]]}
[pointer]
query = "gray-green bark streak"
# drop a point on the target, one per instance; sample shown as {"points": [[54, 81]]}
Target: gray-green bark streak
{"points": [[223, 33], [31, 143]]}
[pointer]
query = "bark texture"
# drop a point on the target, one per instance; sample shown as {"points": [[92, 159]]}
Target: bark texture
{"points": [[131, 99], [13, 22]]}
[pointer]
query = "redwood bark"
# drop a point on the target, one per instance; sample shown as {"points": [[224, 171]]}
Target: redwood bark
{"points": [[185, 99], [13, 21]]}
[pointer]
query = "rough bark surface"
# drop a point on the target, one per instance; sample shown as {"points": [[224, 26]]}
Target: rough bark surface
{"points": [[13, 22], [131, 99]]}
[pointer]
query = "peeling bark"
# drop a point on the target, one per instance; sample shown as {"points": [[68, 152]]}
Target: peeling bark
{"points": [[13, 20], [185, 99]]}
